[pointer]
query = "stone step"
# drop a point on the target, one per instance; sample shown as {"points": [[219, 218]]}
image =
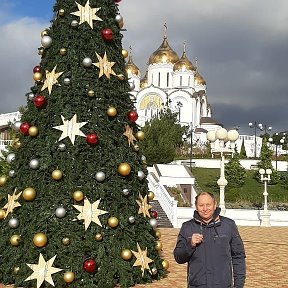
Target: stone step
{"points": [[162, 219]]}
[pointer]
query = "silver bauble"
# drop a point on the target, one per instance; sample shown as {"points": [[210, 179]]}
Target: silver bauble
{"points": [[74, 23], [61, 147], [31, 96], [67, 81], [143, 158], [153, 222], [60, 212], [125, 192], [100, 176], [46, 41], [12, 173], [131, 219], [87, 62], [118, 18], [34, 164], [141, 175], [10, 157], [13, 223], [132, 86], [16, 125]]}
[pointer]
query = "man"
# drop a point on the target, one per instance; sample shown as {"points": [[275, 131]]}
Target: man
{"points": [[212, 247]]}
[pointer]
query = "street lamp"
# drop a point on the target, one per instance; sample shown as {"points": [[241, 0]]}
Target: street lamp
{"points": [[265, 215], [277, 143], [184, 137], [222, 136], [259, 126]]}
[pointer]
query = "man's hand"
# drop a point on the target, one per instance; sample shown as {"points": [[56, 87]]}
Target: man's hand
{"points": [[196, 239]]}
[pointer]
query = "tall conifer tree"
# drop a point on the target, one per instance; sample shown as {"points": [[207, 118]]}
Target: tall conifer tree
{"points": [[75, 207]]}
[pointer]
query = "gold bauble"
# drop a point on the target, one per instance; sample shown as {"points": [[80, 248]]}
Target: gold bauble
{"points": [[120, 76], [17, 145], [57, 174], [16, 270], [165, 264], [113, 222], [15, 240], [29, 194], [66, 241], [158, 234], [111, 111], [126, 254], [33, 131], [158, 245], [91, 93], [136, 147], [37, 76], [63, 51], [61, 12], [151, 195], [40, 240], [3, 180], [140, 135], [68, 277], [78, 195], [98, 237], [44, 33], [2, 214], [124, 169], [40, 51], [125, 53], [154, 271]]}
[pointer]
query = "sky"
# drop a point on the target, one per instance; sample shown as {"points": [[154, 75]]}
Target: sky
{"points": [[241, 47]]}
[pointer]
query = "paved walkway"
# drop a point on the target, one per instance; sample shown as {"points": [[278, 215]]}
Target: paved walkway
{"points": [[267, 258]]}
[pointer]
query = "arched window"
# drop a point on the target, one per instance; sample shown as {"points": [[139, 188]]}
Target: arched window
{"points": [[159, 79]]}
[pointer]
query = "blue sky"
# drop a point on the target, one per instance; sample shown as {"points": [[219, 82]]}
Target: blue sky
{"points": [[241, 48]]}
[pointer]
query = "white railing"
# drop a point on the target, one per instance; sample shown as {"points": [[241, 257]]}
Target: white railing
{"points": [[4, 144], [168, 203]]}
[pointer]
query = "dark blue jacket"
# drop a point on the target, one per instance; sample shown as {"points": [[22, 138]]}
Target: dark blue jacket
{"points": [[210, 264]]}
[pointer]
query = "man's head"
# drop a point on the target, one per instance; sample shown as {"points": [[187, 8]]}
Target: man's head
{"points": [[205, 203]]}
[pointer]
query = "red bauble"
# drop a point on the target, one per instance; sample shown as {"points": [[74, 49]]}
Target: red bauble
{"points": [[24, 128], [36, 69], [132, 116], [154, 214], [117, 1], [39, 101], [92, 139], [89, 266], [107, 34]]}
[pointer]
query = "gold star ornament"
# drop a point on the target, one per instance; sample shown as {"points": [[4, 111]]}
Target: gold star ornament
{"points": [[43, 271], [51, 79], [90, 212], [87, 14], [105, 66], [129, 134], [12, 203], [142, 259], [143, 206], [70, 128]]}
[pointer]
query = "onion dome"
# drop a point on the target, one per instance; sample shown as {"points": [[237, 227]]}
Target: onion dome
{"points": [[164, 54], [199, 79], [131, 68], [183, 64], [144, 81]]}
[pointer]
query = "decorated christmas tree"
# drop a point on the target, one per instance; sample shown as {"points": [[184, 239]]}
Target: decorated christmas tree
{"points": [[74, 209]]}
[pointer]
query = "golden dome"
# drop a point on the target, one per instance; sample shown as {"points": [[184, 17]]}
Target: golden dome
{"points": [[131, 68], [144, 81], [164, 54], [183, 64], [199, 79]]}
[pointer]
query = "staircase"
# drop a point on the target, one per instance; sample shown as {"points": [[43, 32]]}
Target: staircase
{"points": [[162, 219]]}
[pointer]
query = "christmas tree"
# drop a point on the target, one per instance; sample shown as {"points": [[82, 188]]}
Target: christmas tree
{"points": [[75, 206]]}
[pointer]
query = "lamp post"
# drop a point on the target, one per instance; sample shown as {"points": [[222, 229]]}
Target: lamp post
{"points": [[259, 126], [265, 215], [184, 137], [277, 142], [222, 136]]}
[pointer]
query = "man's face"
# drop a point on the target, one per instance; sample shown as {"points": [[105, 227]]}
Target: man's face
{"points": [[205, 207]]}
